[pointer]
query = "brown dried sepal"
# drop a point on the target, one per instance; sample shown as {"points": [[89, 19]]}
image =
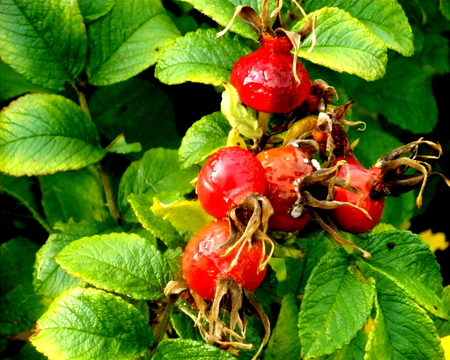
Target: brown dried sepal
{"points": [[249, 221], [306, 201], [215, 330], [393, 181]]}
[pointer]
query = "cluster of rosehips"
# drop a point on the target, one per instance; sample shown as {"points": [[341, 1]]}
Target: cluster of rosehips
{"points": [[254, 193]]}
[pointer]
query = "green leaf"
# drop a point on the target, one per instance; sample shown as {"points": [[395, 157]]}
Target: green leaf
{"points": [[134, 267], [74, 194], [435, 53], [353, 351], [133, 33], [29, 352], [416, 291], [200, 57], [159, 227], [21, 189], [120, 146], [20, 307], [178, 349], [377, 344], [41, 134], [407, 253], [444, 6], [284, 342], [203, 138], [187, 215], [92, 10], [157, 171], [182, 323], [13, 84], [336, 294], [266, 292], [49, 278], [316, 245], [443, 326], [222, 12], [45, 41], [93, 324], [386, 19], [413, 108], [398, 211], [237, 114], [402, 329], [144, 117], [345, 45]]}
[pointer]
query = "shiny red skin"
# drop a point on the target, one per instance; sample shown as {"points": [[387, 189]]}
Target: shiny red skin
{"points": [[203, 265], [348, 218], [265, 81], [285, 168], [228, 176]]}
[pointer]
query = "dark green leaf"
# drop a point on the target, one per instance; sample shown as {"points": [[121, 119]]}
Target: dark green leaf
{"points": [[200, 57], [144, 118], [179, 349], [284, 342], [266, 291], [345, 45], [444, 6], [20, 188], [384, 18], [41, 134], [443, 326], [29, 352], [13, 84], [406, 89], [158, 170], [434, 56], [133, 34], [134, 267], [182, 323], [45, 41], [336, 294], [316, 245], [203, 138], [49, 278], [416, 291], [353, 351], [20, 307], [407, 253], [93, 9], [93, 323], [74, 194], [402, 329]]}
